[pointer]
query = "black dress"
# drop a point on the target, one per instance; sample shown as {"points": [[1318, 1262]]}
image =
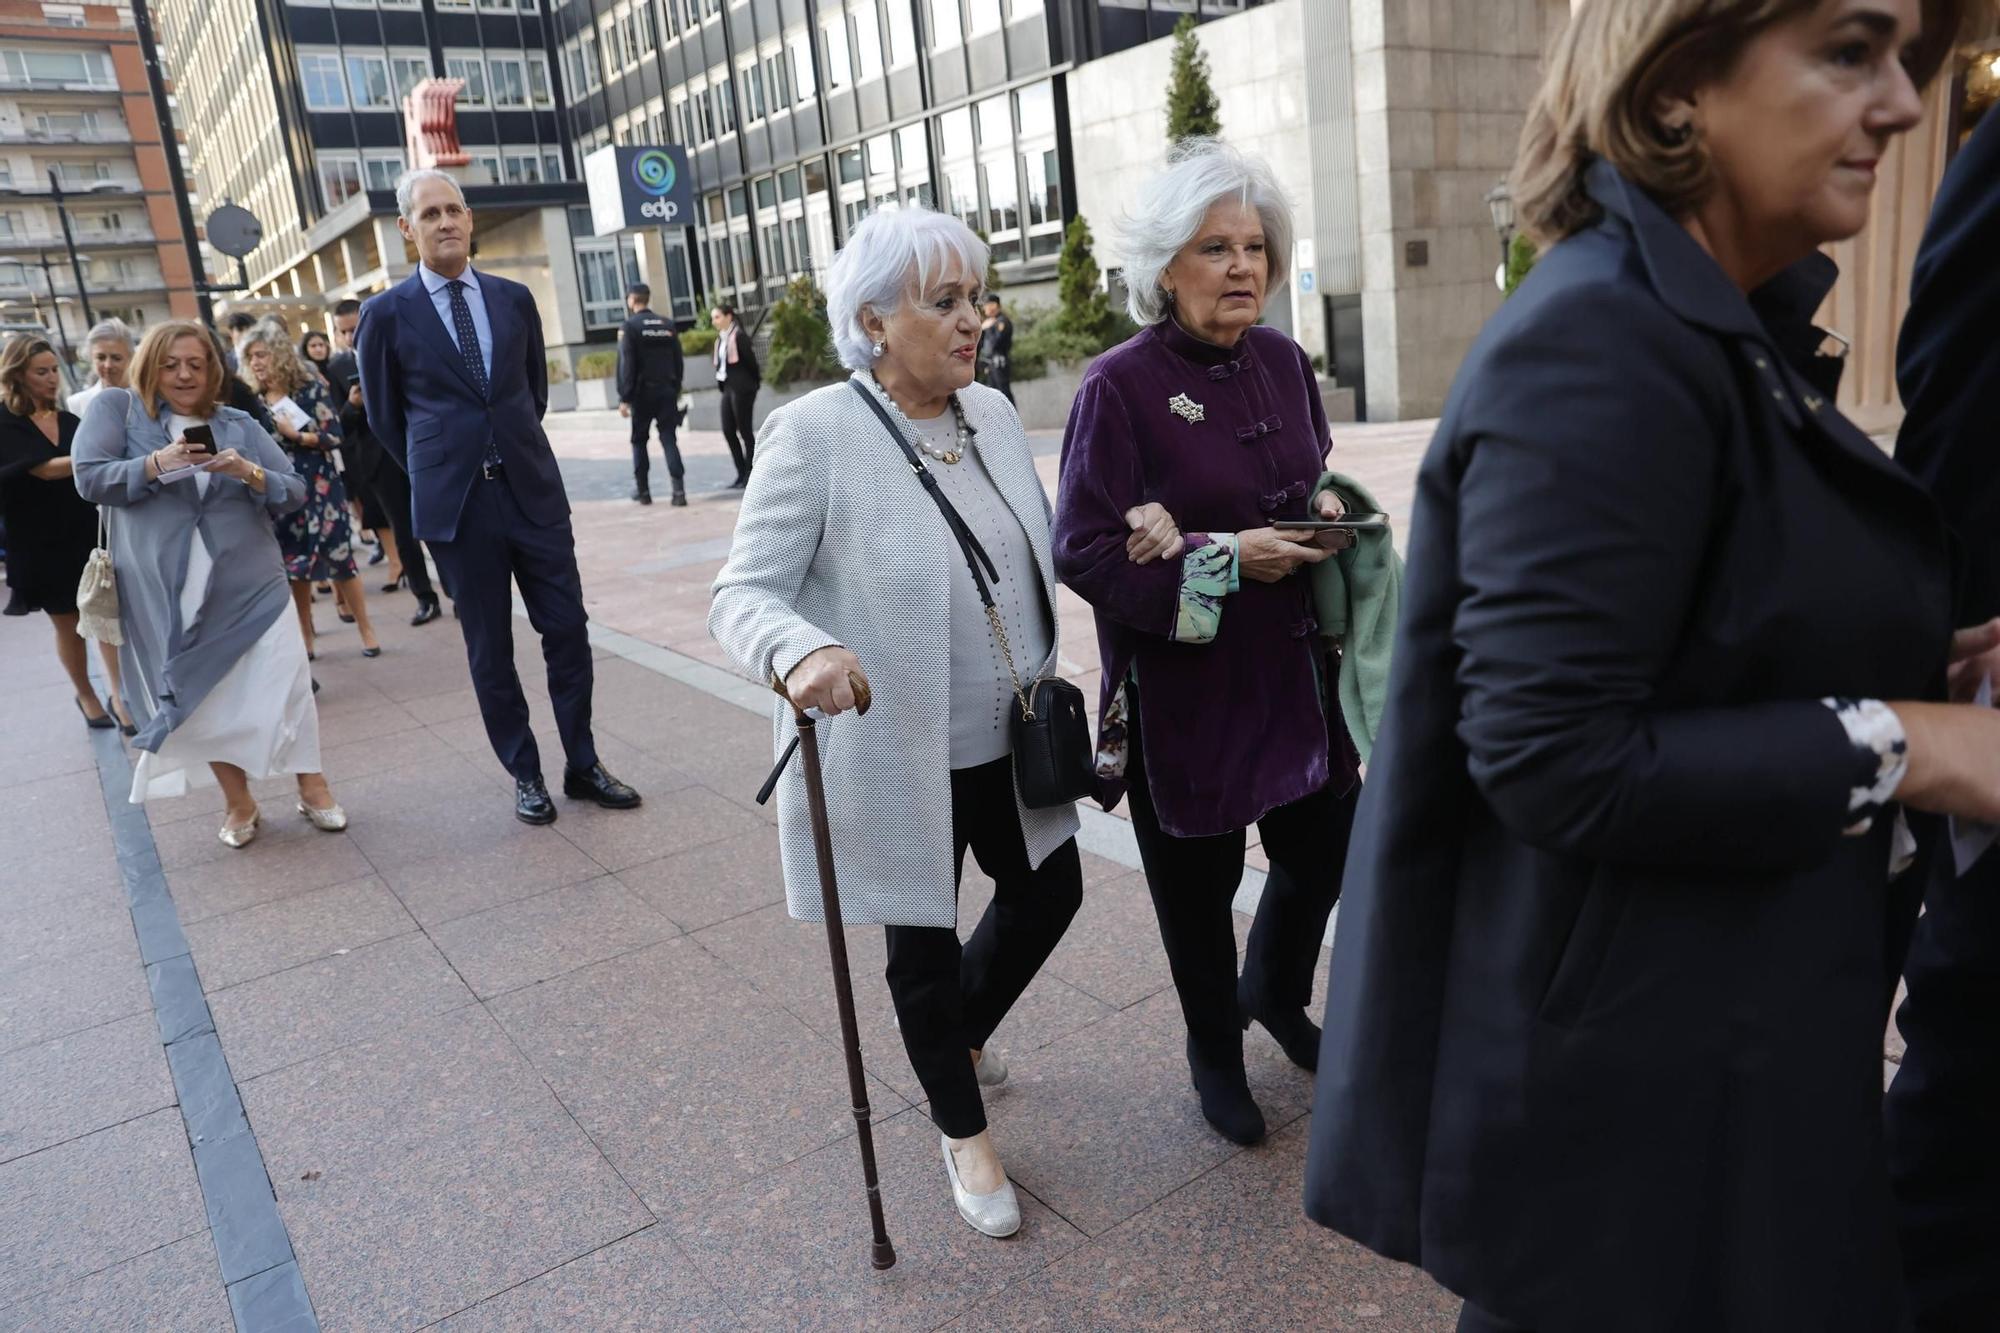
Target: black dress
{"points": [[50, 528]]}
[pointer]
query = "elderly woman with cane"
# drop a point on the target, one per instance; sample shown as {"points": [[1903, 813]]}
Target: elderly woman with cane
{"points": [[845, 565]]}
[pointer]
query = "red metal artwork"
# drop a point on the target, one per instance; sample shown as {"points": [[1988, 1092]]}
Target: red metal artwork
{"points": [[431, 111]]}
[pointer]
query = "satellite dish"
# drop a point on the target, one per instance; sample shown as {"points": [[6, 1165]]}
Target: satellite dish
{"points": [[234, 230]]}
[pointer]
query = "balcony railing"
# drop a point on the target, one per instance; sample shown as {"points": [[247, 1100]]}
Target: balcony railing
{"points": [[35, 84], [72, 185], [29, 134], [86, 238]]}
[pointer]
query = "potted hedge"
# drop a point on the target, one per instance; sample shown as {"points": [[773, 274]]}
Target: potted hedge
{"points": [[595, 370]]}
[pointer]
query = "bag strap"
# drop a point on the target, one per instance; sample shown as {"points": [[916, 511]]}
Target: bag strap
{"points": [[968, 543]]}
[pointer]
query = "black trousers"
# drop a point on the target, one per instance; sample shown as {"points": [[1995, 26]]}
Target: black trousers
{"points": [[999, 375], [739, 402], [496, 548], [1193, 881], [648, 408], [949, 998], [1944, 1151], [392, 491], [1472, 1319]]}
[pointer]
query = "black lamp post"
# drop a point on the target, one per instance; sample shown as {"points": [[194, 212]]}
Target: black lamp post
{"points": [[1500, 202]]}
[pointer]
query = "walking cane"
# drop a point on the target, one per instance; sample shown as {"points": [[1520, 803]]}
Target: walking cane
{"points": [[882, 1254]]}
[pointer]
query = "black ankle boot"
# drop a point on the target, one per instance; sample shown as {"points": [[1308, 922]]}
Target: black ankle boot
{"points": [[1226, 1102], [1297, 1034]]}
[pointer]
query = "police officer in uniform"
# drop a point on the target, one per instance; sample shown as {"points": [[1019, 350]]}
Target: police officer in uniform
{"points": [[649, 389], [996, 348]]}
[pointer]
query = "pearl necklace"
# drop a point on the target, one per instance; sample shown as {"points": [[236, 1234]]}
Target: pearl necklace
{"points": [[948, 457]]}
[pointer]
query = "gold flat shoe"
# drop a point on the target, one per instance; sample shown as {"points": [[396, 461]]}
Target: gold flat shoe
{"points": [[333, 819], [241, 836]]}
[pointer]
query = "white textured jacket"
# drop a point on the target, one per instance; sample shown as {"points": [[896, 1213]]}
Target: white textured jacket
{"points": [[839, 543]]}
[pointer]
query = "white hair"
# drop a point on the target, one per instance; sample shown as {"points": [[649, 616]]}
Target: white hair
{"points": [[406, 187], [109, 331], [1200, 172], [892, 255]]}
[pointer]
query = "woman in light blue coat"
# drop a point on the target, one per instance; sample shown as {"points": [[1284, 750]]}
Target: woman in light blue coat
{"points": [[215, 670]]}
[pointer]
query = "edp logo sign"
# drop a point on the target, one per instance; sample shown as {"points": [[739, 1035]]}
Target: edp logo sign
{"points": [[638, 187]]}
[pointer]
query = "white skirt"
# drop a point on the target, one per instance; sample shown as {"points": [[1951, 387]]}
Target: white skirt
{"points": [[260, 716]]}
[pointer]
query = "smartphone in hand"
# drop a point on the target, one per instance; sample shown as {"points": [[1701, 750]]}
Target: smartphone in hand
{"points": [[200, 439]]}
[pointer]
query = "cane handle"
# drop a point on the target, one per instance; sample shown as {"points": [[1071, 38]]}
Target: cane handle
{"points": [[857, 682]]}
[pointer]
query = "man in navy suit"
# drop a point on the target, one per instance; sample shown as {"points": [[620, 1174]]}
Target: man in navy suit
{"points": [[455, 382]]}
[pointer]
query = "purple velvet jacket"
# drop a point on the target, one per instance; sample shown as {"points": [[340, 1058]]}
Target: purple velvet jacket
{"points": [[1229, 695]]}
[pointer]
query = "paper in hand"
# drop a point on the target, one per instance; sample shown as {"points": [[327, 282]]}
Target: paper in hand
{"points": [[291, 414], [1971, 840], [183, 473]]}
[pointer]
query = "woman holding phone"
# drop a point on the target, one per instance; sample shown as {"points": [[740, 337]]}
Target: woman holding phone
{"points": [[1217, 708], [218, 677], [317, 538]]}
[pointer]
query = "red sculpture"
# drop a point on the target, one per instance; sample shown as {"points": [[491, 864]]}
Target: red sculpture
{"points": [[431, 111]]}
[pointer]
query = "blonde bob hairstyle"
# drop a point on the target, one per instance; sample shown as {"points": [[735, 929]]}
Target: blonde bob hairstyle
{"points": [[288, 372], [1605, 78], [152, 355]]}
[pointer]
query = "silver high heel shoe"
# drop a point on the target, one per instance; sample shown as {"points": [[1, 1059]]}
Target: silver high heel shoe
{"points": [[997, 1214], [991, 1071], [333, 819], [241, 836]]}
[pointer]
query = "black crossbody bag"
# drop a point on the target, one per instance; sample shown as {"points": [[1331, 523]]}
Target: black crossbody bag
{"points": [[1048, 729]]}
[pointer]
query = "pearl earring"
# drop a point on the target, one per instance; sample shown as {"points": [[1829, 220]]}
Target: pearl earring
{"points": [[879, 347]]}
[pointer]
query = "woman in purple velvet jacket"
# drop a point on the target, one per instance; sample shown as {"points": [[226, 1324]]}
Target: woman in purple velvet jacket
{"points": [[1217, 708]]}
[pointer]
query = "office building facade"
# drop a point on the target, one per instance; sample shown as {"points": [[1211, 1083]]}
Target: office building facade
{"points": [[75, 102]]}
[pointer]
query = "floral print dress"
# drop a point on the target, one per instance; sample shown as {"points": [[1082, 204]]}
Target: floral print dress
{"points": [[317, 538]]}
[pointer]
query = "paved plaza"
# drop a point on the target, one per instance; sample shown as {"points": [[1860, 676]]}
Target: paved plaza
{"points": [[449, 1070]]}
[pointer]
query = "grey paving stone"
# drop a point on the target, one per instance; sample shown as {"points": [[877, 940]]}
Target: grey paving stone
{"points": [[268, 870], [790, 1250], [548, 935], [713, 882], [274, 1301], [207, 1090], [295, 929], [82, 1206], [63, 927], [189, 843], [242, 1208], [1112, 949], [74, 1085], [1105, 1123], [173, 1289], [636, 1285], [352, 760], [178, 1004], [46, 997], [689, 1079], [669, 821], [424, 1171], [311, 1009]]}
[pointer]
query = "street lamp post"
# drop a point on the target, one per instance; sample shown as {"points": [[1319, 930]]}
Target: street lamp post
{"points": [[1500, 203], [69, 241], [55, 308]]}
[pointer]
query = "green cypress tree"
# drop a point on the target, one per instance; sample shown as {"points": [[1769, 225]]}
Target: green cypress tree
{"points": [[992, 278], [1085, 311], [1191, 105]]}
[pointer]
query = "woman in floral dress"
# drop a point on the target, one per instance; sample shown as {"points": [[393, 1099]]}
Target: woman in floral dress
{"points": [[317, 539]]}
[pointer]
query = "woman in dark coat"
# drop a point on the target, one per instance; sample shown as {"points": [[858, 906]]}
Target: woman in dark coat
{"points": [[50, 529], [1604, 1034]]}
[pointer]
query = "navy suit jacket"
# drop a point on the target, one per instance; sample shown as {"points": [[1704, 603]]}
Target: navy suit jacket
{"points": [[429, 417]]}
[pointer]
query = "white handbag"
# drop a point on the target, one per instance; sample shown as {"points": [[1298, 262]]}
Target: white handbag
{"points": [[97, 593]]}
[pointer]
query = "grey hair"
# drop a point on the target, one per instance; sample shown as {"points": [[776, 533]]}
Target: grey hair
{"points": [[109, 331], [891, 256], [406, 186], [1200, 172]]}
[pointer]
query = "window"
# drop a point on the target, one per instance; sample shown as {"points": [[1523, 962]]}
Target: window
{"points": [[902, 37], [788, 185], [801, 248], [850, 166], [753, 92], [409, 71], [510, 80], [339, 178], [725, 106], [522, 168], [538, 79], [780, 87], [473, 70], [984, 15], [368, 83], [704, 116], [914, 159], [91, 67], [1020, 9], [867, 41], [799, 50], [1034, 109], [839, 65], [319, 78], [382, 169], [767, 192], [944, 24], [593, 72], [739, 203], [552, 166]]}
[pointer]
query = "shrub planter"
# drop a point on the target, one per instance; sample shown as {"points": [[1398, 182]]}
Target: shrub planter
{"points": [[595, 394], [705, 403], [562, 395]]}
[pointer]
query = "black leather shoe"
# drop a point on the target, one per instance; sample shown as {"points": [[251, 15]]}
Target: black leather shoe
{"points": [[680, 500], [379, 556], [1297, 1034], [742, 480], [596, 784], [426, 612], [1226, 1102], [531, 802], [643, 496]]}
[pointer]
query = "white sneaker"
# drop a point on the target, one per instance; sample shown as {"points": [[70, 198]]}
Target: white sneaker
{"points": [[997, 1214], [991, 1070]]}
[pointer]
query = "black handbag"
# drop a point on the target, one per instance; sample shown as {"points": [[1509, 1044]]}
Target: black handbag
{"points": [[1048, 730]]}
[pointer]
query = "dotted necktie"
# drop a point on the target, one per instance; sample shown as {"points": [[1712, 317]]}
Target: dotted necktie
{"points": [[468, 352]]}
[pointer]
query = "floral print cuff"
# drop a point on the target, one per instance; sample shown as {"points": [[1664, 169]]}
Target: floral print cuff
{"points": [[1881, 749], [1208, 574]]}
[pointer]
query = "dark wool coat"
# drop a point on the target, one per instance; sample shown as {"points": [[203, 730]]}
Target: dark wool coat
{"points": [[1604, 1035]]}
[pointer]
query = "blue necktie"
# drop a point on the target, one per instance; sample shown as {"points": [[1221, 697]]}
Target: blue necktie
{"points": [[468, 352]]}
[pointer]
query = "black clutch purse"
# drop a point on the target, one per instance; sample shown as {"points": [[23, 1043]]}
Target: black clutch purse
{"points": [[1048, 730]]}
